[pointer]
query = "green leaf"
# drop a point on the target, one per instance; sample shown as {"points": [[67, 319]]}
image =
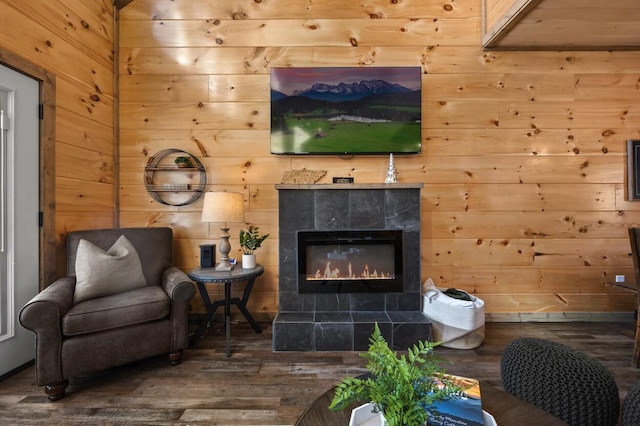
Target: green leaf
{"points": [[251, 240], [401, 387]]}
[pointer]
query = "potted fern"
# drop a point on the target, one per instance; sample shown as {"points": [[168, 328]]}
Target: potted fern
{"points": [[401, 389], [250, 241]]}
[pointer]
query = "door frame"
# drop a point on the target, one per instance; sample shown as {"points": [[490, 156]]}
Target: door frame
{"points": [[47, 136]]}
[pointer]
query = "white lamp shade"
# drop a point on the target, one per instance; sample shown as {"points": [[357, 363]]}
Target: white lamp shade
{"points": [[223, 207]]}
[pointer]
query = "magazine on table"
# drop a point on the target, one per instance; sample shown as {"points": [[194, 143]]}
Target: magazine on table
{"points": [[465, 410]]}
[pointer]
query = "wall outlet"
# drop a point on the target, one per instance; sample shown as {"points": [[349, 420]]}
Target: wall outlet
{"points": [[619, 278]]}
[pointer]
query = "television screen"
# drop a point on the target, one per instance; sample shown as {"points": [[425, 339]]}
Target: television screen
{"points": [[346, 110]]}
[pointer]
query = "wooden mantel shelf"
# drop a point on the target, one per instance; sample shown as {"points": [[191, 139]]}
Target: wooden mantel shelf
{"points": [[349, 186]]}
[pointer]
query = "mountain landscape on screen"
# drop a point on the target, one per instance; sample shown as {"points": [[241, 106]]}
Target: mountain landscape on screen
{"points": [[345, 110]]}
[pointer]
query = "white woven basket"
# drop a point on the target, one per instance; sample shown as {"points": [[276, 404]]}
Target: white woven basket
{"points": [[458, 324]]}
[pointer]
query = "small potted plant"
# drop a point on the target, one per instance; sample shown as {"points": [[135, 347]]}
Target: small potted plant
{"points": [[183, 162], [250, 241], [401, 389]]}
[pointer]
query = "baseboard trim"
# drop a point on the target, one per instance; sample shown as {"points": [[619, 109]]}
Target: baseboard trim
{"points": [[561, 317], [490, 317], [17, 369]]}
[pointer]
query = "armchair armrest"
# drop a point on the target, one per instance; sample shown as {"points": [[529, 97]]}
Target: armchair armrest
{"points": [[43, 315], [177, 285], [180, 290]]}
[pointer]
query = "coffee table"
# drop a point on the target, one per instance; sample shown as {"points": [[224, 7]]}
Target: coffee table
{"points": [[504, 407]]}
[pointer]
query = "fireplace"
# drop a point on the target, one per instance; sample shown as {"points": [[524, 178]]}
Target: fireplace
{"points": [[368, 261], [331, 307]]}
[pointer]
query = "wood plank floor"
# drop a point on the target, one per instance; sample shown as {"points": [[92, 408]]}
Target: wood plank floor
{"points": [[256, 386]]}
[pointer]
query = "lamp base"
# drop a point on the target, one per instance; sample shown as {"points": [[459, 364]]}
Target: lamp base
{"points": [[223, 267]]}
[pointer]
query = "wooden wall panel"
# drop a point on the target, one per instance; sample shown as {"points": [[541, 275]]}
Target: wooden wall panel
{"points": [[87, 26], [204, 115], [552, 303], [373, 9], [83, 132], [502, 87], [73, 40], [39, 42], [532, 280], [524, 142], [78, 163], [516, 197], [185, 225], [533, 115], [528, 224], [328, 32], [163, 88], [503, 170], [202, 143], [74, 195], [434, 59], [523, 156]]}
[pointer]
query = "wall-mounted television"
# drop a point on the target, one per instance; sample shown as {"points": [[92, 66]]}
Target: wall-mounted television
{"points": [[346, 110]]}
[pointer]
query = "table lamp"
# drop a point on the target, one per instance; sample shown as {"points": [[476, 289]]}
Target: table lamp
{"points": [[223, 207]]}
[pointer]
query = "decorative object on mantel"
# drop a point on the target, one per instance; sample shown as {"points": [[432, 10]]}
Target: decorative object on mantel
{"points": [[303, 176], [223, 207], [392, 173], [401, 388], [347, 179], [250, 241]]}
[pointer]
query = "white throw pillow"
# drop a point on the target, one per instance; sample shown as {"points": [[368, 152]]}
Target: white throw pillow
{"points": [[101, 273]]}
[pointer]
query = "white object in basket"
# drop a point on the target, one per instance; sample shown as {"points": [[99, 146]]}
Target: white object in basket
{"points": [[458, 324]]}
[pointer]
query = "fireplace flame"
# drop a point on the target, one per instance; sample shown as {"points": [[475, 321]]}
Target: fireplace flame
{"points": [[330, 273]]}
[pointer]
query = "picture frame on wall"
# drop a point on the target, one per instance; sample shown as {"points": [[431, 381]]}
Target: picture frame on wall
{"points": [[633, 169]]}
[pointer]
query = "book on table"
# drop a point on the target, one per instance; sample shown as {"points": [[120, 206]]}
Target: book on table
{"points": [[464, 410]]}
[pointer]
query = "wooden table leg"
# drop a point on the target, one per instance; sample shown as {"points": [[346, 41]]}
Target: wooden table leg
{"points": [[242, 305], [211, 310]]}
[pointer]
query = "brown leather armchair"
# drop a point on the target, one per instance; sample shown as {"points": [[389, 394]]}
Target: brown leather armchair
{"points": [[77, 339]]}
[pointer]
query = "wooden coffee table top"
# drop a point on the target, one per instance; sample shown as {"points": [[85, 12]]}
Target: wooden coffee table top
{"points": [[504, 407]]}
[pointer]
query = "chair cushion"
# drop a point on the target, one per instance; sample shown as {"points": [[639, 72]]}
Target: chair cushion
{"points": [[101, 273], [118, 310]]}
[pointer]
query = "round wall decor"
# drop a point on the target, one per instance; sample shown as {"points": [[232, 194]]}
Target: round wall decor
{"points": [[174, 177]]}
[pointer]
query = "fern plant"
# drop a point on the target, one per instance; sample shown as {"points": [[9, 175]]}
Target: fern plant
{"points": [[401, 388]]}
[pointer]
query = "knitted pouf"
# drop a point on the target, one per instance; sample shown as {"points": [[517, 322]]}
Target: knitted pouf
{"points": [[562, 381], [631, 407]]}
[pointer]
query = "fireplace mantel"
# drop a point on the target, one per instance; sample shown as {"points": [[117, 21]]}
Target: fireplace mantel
{"points": [[322, 186], [344, 321]]}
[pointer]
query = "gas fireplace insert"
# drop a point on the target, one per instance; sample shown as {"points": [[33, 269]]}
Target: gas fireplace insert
{"points": [[363, 261]]}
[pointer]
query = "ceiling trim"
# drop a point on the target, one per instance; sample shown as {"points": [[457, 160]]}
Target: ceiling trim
{"points": [[119, 4], [516, 13]]}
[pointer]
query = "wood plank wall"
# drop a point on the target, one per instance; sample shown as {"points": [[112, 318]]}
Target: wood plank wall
{"points": [[523, 152], [73, 39]]}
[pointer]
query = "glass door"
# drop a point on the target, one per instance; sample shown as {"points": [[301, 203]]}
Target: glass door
{"points": [[5, 317], [19, 212]]}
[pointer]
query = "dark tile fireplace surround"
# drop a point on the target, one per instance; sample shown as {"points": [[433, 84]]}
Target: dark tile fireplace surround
{"points": [[344, 321]]}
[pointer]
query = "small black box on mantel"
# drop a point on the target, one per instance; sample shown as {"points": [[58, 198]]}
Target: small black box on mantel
{"points": [[339, 179], [207, 255]]}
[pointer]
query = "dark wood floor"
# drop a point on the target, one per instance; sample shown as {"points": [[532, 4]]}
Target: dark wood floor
{"points": [[258, 387]]}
